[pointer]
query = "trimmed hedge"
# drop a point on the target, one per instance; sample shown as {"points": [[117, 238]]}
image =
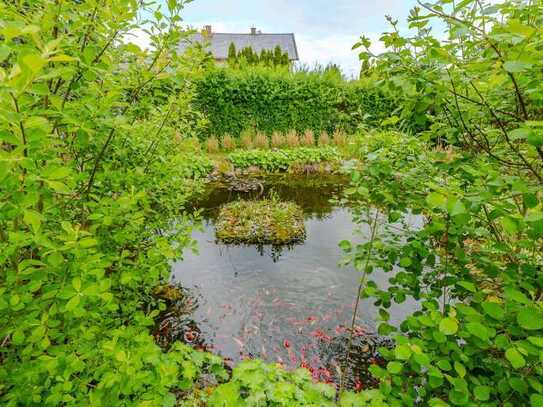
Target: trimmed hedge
{"points": [[266, 100]]}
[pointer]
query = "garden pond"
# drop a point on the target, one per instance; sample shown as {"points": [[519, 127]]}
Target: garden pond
{"points": [[290, 305]]}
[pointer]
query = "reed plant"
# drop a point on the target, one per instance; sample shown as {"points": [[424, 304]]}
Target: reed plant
{"points": [[212, 145], [308, 138]]}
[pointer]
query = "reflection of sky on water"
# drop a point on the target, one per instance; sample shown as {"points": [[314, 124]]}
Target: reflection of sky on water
{"points": [[251, 302]]}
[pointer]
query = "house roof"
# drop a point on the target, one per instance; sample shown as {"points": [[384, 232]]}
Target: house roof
{"points": [[220, 42]]}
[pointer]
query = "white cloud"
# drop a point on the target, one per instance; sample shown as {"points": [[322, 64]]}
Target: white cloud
{"points": [[138, 37], [335, 49]]}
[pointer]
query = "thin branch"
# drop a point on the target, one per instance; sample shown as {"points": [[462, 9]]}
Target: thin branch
{"points": [[355, 311]]}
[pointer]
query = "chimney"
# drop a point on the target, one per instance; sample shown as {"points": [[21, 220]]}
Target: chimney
{"points": [[207, 30], [253, 30]]}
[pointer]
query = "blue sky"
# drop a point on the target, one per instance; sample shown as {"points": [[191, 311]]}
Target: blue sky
{"points": [[325, 29]]}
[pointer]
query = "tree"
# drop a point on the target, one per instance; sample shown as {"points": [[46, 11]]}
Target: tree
{"points": [[232, 54], [277, 56]]}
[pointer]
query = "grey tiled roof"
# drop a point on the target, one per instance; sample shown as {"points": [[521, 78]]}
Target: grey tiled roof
{"points": [[220, 42]]}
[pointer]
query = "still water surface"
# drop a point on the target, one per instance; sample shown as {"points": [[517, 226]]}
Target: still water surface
{"points": [[283, 305]]}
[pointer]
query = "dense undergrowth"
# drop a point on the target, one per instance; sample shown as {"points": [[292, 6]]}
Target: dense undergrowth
{"points": [[94, 171]]}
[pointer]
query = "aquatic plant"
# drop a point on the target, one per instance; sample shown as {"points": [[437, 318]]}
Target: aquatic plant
{"points": [[282, 160], [266, 221]]}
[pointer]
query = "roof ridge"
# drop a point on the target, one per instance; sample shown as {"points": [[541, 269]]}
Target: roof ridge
{"points": [[214, 33]]}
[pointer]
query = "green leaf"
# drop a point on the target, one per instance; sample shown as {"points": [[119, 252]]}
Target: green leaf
{"points": [[536, 340], [482, 393], [535, 139], [478, 330], [58, 186], [494, 310], [35, 62], [345, 245], [536, 400], [402, 352], [394, 367], [33, 219], [460, 369], [4, 52], [73, 303], [530, 319], [405, 262], [436, 200], [448, 326], [515, 358], [516, 66]]}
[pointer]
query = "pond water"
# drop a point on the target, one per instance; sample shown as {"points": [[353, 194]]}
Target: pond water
{"points": [[283, 304]]}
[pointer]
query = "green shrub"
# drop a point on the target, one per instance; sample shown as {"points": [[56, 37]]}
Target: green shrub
{"points": [[282, 160], [277, 100]]}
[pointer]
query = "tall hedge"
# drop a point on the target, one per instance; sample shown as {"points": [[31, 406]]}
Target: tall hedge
{"points": [[267, 100]]}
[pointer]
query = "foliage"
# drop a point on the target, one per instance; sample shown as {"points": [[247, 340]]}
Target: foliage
{"points": [[475, 176], [90, 170], [256, 384], [266, 221], [248, 57], [282, 160], [268, 100]]}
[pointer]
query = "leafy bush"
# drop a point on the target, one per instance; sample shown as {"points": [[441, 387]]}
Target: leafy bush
{"points": [[255, 383], [278, 100], [281, 160], [89, 172], [474, 263]]}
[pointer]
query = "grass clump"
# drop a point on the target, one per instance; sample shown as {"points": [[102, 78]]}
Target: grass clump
{"points": [[292, 139], [278, 140], [324, 139], [246, 140], [212, 145], [267, 221], [308, 138], [261, 141], [228, 143]]}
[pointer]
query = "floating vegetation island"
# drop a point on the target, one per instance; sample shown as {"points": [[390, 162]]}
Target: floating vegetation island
{"points": [[266, 221]]}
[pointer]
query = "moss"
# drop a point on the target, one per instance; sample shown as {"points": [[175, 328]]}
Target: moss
{"points": [[266, 221]]}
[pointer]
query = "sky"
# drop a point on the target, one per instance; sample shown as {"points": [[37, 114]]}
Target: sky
{"points": [[325, 29]]}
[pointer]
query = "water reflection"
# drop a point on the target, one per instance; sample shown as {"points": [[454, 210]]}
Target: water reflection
{"points": [[288, 305]]}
